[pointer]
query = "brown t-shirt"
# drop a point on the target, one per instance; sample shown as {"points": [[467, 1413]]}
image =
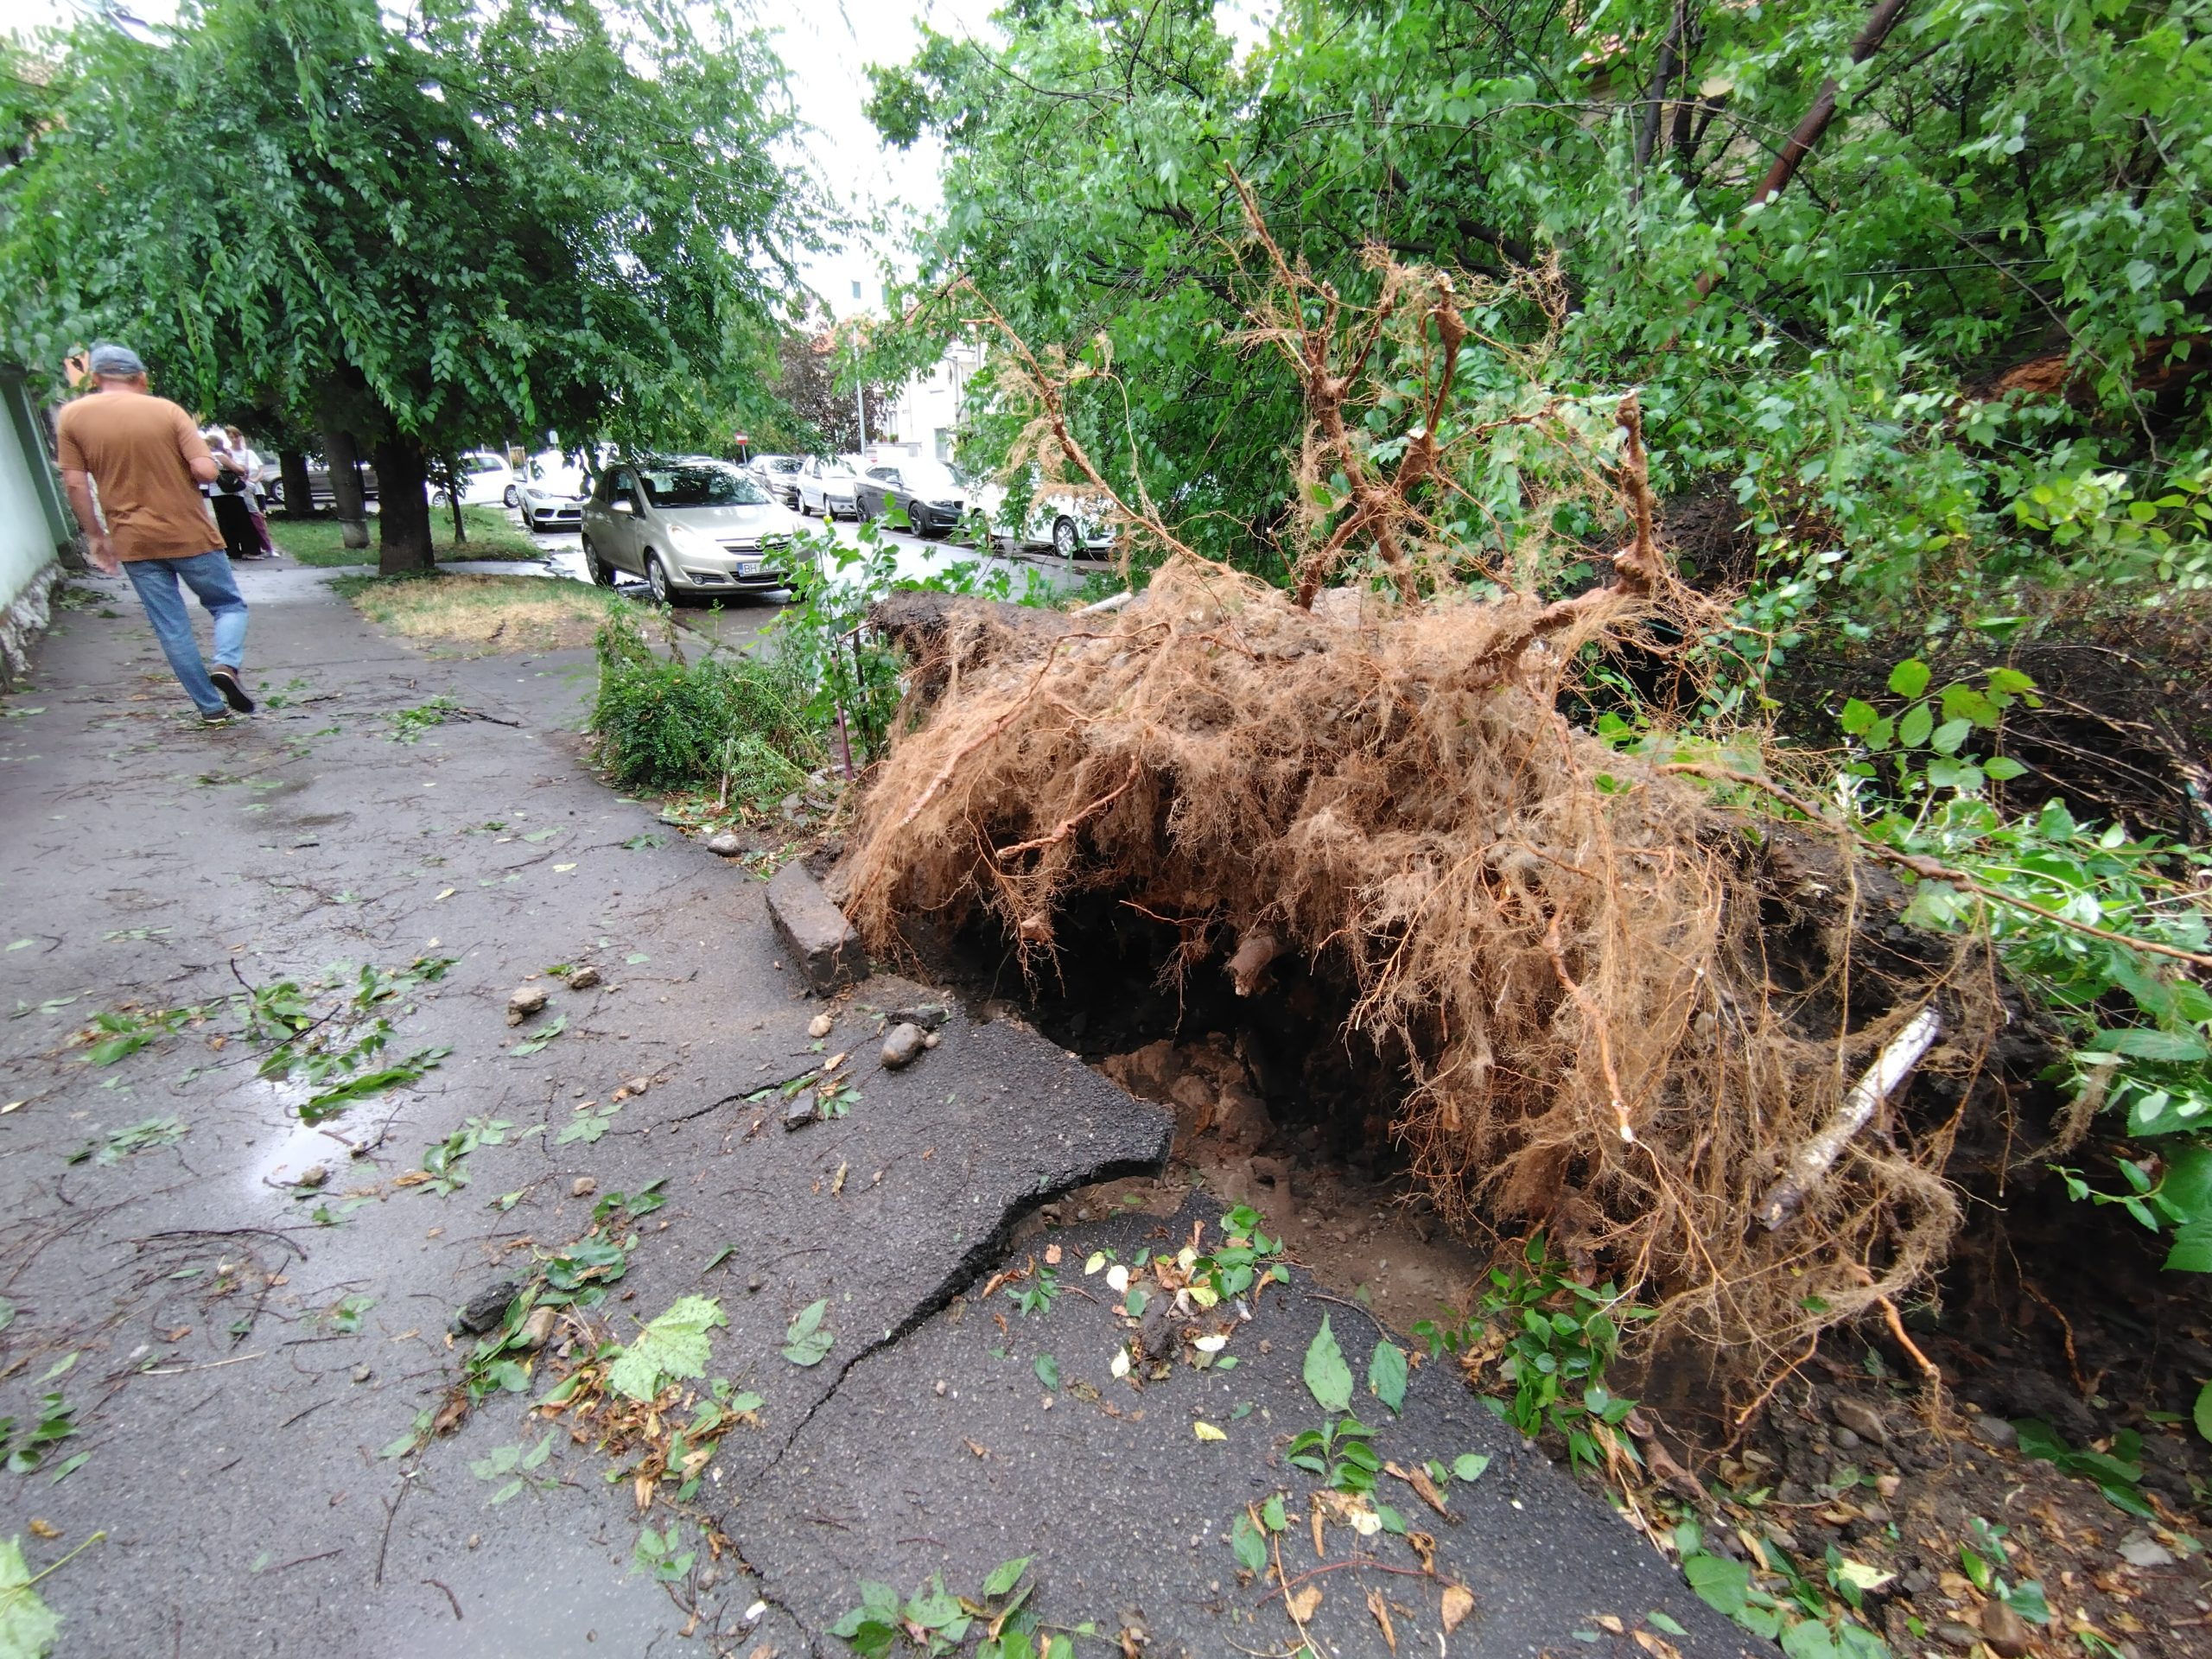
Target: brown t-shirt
{"points": [[136, 448]]}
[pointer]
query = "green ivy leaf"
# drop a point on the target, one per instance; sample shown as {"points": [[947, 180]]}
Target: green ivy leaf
{"points": [[676, 1345], [1327, 1377], [1950, 735], [28, 1626], [808, 1340], [1915, 727], [1386, 1375], [1006, 1575], [2192, 1250]]}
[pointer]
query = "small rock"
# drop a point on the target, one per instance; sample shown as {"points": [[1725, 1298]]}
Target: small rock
{"points": [[2005, 1631], [584, 978], [819, 1026], [1859, 1418], [583, 1187], [932, 1039], [484, 1309], [801, 1112], [901, 1044], [311, 1179], [1996, 1431], [637, 1086], [526, 1000], [1848, 1441], [725, 845], [2139, 1548], [928, 1015], [1952, 1634], [753, 1285], [537, 1329], [362, 1373]]}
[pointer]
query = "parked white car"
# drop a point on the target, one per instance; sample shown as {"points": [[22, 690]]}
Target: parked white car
{"points": [[1073, 527], [487, 482], [551, 492], [826, 488]]}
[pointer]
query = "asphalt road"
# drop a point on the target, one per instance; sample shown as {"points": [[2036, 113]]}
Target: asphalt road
{"points": [[235, 1355]]}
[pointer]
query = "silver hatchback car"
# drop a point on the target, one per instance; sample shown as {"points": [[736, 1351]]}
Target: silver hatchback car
{"points": [[689, 525]]}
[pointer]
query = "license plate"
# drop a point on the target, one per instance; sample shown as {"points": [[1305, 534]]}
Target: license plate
{"points": [[748, 566]]}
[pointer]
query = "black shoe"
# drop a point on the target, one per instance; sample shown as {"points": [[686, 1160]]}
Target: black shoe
{"points": [[227, 682]]}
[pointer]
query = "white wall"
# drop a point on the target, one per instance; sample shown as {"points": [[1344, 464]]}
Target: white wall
{"points": [[26, 532]]}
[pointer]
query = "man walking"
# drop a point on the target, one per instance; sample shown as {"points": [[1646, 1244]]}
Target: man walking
{"points": [[147, 460]]}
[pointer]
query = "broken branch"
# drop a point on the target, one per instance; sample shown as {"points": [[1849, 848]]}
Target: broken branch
{"points": [[1876, 1084]]}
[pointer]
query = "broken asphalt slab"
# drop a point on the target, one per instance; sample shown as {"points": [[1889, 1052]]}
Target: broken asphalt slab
{"points": [[945, 1454], [239, 1355]]}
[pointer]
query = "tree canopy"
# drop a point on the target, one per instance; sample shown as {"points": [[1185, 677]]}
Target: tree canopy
{"points": [[541, 215], [2000, 186]]}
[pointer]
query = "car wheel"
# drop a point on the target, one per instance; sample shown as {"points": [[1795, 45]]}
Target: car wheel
{"points": [[440, 499], [1066, 542], [510, 498], [656, 579], [598, 569]]}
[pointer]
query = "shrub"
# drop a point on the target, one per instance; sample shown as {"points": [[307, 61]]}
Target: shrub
{"points": [[725, 720]]}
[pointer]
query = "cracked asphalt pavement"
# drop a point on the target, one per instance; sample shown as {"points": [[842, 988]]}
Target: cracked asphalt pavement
{"points": [[234, 1352]]}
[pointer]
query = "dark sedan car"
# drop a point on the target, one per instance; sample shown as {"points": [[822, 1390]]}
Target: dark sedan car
{"points": [[318, 483], [934, 500]]}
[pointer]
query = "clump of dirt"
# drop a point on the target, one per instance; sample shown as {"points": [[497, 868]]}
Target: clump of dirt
{"points": [[1556, 957], [2119, 727]]}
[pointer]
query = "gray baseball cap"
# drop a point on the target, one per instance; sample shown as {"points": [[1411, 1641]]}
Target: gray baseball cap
{"points": [[117, 362]]}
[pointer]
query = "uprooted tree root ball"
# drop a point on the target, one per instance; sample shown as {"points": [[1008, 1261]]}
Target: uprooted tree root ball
{"points": [[1562, 947]]}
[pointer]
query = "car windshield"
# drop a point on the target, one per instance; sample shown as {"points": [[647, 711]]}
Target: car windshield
{"points": [[483, 463], [699, 484], [555, 472], [925, 478]]}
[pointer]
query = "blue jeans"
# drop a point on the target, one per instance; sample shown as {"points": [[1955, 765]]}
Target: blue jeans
{"points": [[208, 576]]}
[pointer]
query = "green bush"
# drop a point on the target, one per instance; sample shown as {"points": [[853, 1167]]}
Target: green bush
{"points": [[725, 722]]}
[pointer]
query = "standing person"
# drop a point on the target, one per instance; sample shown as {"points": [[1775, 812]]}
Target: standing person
{"points": [[235, 452], [226, 499], [145, 457]]}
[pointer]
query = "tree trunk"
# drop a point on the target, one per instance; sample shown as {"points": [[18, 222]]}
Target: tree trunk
{"points": [[1816, 121], [344, 455], [1655, 99], [454, 476], [402, 508], [299, 495]]}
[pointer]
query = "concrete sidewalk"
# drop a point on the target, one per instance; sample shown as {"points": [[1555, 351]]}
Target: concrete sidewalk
{"points": [[235, 1352]]}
